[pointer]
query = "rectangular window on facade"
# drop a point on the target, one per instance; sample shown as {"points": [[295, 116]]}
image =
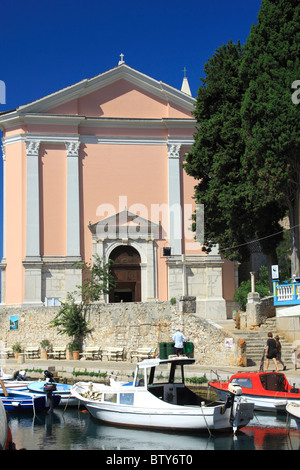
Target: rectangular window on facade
{"points": [[52, 301]]}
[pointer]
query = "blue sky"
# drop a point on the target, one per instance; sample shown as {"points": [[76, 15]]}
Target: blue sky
{"points": [[48, 45]]}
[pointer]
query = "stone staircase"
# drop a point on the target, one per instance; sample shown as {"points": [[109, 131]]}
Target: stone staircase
{"points": [[256, 341]]}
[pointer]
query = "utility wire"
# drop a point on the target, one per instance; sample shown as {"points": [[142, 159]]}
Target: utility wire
{"points": [[259, 239]]}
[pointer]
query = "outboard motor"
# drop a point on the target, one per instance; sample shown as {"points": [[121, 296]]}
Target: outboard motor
{"points": [[234, 390], [49, 388], [48, 376]]}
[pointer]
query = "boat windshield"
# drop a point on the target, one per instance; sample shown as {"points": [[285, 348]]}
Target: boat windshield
{"points": [[166, 373], [242, 382]]}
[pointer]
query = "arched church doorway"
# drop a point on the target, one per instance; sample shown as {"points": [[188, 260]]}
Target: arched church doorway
{"points": [[126, 269]]}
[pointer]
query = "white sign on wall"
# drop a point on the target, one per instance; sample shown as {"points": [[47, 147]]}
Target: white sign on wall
{"points": [[275, 272]]}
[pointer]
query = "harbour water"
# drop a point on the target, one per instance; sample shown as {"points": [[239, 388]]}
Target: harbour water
{"points": [[75, 429]]}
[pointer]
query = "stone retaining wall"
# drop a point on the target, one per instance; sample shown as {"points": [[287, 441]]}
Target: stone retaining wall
{"points": [[129, 325], [257, 311]]}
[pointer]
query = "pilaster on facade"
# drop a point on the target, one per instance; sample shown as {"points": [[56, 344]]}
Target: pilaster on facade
{"points": [[60, 275], [199, 276], [38, 270], [32, 201], [175, 218], [4, 204], [32, 263], [73, 203]]}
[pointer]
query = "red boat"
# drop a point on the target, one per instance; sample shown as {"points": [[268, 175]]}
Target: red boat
{"points": [[269, 391]]}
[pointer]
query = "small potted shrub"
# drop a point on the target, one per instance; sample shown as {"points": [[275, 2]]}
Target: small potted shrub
{"points": [[75, 347], [16, 349], [46, 347], [71, 320]]}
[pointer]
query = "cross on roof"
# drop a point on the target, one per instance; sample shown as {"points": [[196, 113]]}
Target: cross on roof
{"points": [[121, 61]]}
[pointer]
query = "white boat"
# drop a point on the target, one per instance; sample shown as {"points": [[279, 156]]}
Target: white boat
{"points": [[3, 426], [158, 399], [16, 381], [293, 410]]}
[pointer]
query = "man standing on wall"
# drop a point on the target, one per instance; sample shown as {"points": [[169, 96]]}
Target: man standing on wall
{"points": [[178, 338]]}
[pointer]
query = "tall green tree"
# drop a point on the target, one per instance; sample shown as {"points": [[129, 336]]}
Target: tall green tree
{"points": [[270, 119], [216, 160]]}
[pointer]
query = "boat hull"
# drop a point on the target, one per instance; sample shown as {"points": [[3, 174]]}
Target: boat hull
{"points": [[293, 410], [204, 419], [3, 427], [18, 400], [268, 391], [22, 403], [140, 408], [261, 403]]}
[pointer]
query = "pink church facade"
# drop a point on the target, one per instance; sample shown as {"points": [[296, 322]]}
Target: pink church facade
{"points": [[96, 168]]}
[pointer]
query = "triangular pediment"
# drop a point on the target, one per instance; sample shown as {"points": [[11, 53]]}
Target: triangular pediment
{"points": [[106, 86], [124, 224]]}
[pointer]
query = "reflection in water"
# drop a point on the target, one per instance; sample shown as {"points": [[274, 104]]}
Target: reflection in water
{"points": [[74, 429]]}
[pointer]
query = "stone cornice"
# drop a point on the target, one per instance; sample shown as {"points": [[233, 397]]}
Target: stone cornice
{"points": [[97, 139], [17, 119], [196, 260]]}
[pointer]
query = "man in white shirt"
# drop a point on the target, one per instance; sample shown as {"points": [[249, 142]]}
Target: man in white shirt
{"points": [[179, 337]]}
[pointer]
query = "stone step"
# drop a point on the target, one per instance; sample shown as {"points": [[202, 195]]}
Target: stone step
{"points": [[256, 340]]}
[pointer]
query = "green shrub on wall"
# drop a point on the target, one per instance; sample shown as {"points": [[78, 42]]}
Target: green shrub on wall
{"points": [[261, 287]]}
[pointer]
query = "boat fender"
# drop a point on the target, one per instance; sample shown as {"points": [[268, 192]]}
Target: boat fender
{"points": [[235, 389]]}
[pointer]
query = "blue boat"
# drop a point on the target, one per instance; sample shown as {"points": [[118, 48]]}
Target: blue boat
{"points": [[20, 400], [63, 390]]}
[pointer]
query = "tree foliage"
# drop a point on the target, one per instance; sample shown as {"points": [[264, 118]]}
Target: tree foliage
{"points": [[97, 279], [70, 319], [245, 155], [270, 119]]}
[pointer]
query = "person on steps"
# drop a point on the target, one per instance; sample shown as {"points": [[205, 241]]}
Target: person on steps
{"points": [[278, 349], [271, 351]]}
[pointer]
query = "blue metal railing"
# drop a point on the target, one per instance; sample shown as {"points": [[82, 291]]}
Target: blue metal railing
{"points": [[286, 293]]}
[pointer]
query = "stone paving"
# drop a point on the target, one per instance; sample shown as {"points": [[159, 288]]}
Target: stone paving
{"points": [[122, 369]]}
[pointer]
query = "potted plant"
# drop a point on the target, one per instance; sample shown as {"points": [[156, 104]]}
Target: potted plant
{"points": [[16, 349], [46, 347], [75, 347], [71, 317], [71, 320]]}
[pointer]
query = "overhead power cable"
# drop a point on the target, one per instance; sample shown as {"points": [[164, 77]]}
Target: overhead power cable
{"points": [[259, 239]]}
